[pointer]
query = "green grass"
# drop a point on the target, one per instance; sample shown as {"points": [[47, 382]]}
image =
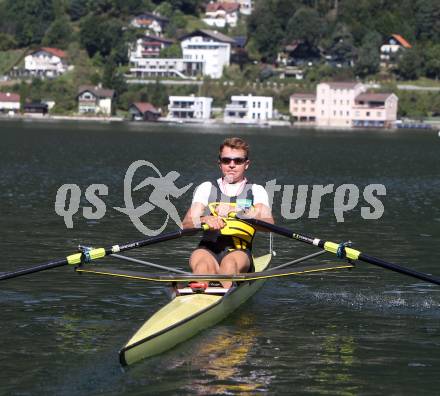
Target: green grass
{"points": [[10, 58]]}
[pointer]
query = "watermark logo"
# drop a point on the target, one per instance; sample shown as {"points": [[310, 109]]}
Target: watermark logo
{"points": [[164, 188], [68, 199]]}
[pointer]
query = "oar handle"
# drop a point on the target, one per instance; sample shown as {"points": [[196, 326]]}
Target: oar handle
{"points": [[93, 254]]}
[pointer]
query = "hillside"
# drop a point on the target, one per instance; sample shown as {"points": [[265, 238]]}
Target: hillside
{"points": [[346, 34]]}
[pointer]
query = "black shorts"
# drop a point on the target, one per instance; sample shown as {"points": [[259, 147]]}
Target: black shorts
{"points": [[220, 252]]}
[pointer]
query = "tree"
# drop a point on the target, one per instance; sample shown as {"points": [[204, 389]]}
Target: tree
{"points": [[28, 20], [100, 34], [427, 18], [341, 49], [306, 25], [112, 78], [265, 30], [173, 51], [77, 9], [410, 65], [7, 42], [368, 61], [432, 61], [59, 33]]}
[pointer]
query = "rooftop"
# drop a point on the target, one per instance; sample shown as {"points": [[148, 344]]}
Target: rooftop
{"points": [[9, 97]]}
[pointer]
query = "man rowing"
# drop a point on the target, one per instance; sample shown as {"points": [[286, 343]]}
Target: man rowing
{"points": [[227, 247]]}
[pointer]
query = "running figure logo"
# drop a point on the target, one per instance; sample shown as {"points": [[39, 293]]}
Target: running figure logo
{"points": [[163, 188]]}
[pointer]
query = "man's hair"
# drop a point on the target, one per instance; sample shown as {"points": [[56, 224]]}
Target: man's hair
{"points": [[235, 143]]}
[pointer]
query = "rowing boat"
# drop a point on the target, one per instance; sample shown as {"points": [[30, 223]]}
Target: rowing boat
{"points": [[191, 310], [186, 315]]}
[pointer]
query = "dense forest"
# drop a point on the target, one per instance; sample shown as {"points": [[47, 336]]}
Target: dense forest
{"points": [[96, 35]]}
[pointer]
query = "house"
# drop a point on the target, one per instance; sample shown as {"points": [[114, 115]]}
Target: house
{"points": [[344, 104], [95, 100], [302, 105], [299, 53], [36, 109], [390, 49], [375, 110], [206, 52], [189, 108], [220, 14], [149, 46], [157, 67], [246, 6], [46, 63], [248, 109], [143, 111], [151, 22], [335, 101], [9, 103]]}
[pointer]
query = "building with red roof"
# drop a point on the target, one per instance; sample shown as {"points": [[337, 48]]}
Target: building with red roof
{"points": [[9, 103], [143, 111], [46, 62], [389, 51]]}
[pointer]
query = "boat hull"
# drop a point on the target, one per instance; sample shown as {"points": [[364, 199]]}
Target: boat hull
{"points": [[185, 316]]}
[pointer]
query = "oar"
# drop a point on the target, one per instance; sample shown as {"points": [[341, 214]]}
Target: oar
{"points": [[97, 253], [341, 250]]}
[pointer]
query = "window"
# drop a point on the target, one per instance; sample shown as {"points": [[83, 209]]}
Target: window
{"points": [[368, 113], [334, 112], [379, 114], [348, 113]]}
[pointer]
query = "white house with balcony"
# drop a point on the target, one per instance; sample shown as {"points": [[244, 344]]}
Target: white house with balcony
{"points": [[189, 108], [206, 52], [157, 67], [346, 105], [46, 62], [248, 109], [95, 100], [148, 47], [220, 14]]}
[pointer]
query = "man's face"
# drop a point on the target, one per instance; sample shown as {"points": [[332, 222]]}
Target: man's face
{"points": [[233, 171]]}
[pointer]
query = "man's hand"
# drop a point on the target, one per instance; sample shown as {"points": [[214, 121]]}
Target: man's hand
{"points": [[214, 222]]}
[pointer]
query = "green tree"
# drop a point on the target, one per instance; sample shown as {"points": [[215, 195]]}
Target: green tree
{"points": [[59, 33], [410, 65], [173, 51], [77, 9], [101, 35], [265, 30], [432, 61], [306, 25], [427, 18], [341, 47], [28, 20], [368, 61], [7, 42]]}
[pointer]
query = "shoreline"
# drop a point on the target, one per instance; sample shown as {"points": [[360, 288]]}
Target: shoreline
{"points": [[427, 126]]}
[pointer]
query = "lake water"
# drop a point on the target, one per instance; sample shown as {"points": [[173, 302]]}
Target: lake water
{"points": [[364, 331]]}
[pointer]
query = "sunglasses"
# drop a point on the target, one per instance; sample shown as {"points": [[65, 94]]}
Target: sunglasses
{"points": [[228, 160]]}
